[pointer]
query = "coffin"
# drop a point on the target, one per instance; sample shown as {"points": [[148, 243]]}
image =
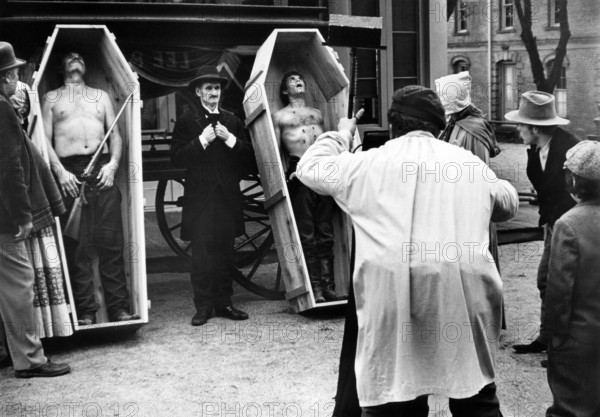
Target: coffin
{"points": [[301, 50], [107, 69]]}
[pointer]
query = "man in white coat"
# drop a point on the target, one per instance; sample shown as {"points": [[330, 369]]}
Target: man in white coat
{"points": [[428, 294]]}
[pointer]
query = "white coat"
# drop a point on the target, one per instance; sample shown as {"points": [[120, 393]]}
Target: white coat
{"points": [[428, 295]]}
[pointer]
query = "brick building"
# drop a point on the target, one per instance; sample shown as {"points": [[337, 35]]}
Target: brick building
{"points": [[484, 38]]}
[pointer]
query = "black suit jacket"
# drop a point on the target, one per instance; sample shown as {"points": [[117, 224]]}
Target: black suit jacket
{"points": [[554, 200], [213, 174]]}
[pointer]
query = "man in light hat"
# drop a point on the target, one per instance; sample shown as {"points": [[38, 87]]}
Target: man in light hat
{"points": [[572, 314], [415, 274], [17, 206], [212, 145], [538, 127]]}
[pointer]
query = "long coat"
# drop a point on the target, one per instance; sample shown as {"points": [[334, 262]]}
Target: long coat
{"points": [[212, 173], [553, 198], [573, 294], [428, 294]]}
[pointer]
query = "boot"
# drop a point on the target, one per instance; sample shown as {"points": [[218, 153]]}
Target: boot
{"points": [[327, 279], [314, 273]]}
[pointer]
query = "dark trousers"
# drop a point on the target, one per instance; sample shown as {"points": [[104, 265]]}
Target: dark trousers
{"points": [[542, 282], [483, 404], [101, 238], [213, 265], [574, 378], [313, 213]]}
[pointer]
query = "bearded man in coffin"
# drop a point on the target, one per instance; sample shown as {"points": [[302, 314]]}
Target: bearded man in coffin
{"points": [[76, 117], [212, 145]]}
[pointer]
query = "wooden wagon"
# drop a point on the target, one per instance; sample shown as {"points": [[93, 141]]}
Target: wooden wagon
{"points": [[108, 70]]}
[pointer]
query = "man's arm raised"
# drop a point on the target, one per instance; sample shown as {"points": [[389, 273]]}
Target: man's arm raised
{"points": [[107, 173], [69, 184]]}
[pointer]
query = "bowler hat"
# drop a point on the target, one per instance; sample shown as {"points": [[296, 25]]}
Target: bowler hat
{"points": [[205, 75], [536, 108], [7, 57]]}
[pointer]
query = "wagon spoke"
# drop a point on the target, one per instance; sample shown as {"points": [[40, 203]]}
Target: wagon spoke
{"points": [[278, 278], [177, 226], [264, 249]]}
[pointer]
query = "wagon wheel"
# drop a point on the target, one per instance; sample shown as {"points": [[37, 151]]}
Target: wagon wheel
{"points": [[258, 268]]}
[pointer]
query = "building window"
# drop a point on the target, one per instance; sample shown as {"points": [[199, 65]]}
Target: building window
{"points": [[553, 14], [382, 72], [507, 14], [508, 88], [461, 17], [367, 85], [560, 90], [460, 66]]}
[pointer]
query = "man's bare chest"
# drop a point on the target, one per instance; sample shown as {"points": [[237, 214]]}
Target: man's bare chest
{"points": [[301, 117], [77, 108]]}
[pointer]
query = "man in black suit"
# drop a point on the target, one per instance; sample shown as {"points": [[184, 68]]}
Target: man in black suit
{"points": [[212, 144], [538, 127]]}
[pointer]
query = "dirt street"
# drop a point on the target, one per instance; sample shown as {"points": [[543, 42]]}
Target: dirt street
{"points": [[277, 364]]}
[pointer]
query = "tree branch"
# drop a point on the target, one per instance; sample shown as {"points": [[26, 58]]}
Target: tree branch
{"points": [[530, 42], [561, 49]]}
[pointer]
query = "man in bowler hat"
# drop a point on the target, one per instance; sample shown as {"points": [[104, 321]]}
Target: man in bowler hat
{"points": [[212, 145], [538, 125], [18, 205]]}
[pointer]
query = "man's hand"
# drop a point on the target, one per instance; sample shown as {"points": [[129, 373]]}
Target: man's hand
{"points": [[69, 184], [106, 176], [347, 124], [24, 231], [209, 134], [222, 132]]}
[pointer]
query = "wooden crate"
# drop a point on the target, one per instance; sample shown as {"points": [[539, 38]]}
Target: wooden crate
{"points": [[300, 50], [107, 69]]}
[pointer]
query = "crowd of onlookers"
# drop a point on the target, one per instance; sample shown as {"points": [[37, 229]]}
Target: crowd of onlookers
{"points": [[391, 359]]}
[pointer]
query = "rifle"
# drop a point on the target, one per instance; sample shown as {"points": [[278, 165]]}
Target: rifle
{"points": [[73, 225]]}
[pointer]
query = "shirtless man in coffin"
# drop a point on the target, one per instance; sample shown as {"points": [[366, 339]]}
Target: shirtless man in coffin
{"points": [[298, 126], [76, 117]]}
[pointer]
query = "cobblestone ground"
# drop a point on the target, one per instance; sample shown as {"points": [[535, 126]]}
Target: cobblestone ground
{"points": [[276, 364]]}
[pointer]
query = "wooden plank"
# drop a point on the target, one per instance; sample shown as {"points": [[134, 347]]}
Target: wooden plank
{"points": [[253, 80], [255, 113], [274, 199], [295, 293]]}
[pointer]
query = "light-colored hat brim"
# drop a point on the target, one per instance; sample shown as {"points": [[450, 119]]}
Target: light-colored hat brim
{"points": [[18, 63], [514, 116]]}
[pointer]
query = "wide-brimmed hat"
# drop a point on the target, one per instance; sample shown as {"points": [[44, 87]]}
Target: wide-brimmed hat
{"points": [[454, 91], [7, 57], [536, 108], [207, 74]]}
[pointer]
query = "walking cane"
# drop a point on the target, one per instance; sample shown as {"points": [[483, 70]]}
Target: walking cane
{"points": [[73, 225]]}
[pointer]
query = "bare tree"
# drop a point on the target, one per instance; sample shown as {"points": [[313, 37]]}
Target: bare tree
{"points": [[524, 13]]}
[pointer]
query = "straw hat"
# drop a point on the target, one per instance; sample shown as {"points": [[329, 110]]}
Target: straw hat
{"points": [[536, 108]]}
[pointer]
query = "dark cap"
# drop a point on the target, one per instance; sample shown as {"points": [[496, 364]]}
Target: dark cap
{"points": [[419, 102]]}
